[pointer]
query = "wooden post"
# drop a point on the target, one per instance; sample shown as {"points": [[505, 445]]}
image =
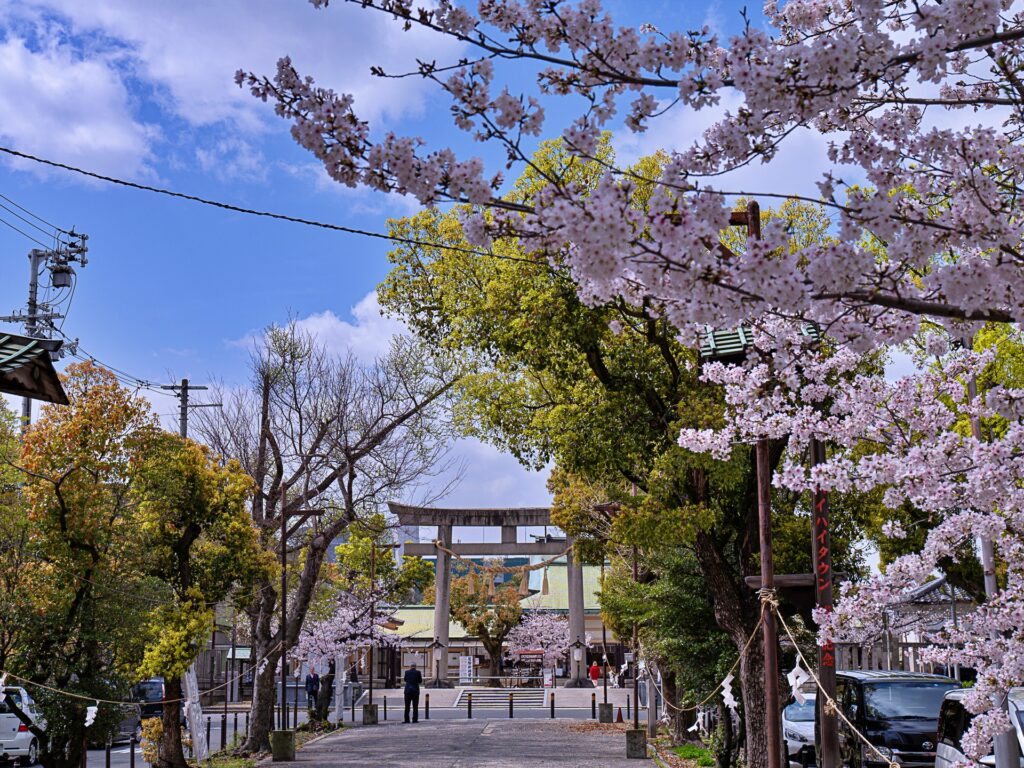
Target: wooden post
{"points": [[772, 716], [821, 552]]}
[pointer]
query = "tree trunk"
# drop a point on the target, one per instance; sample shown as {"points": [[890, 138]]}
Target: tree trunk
{"points": [[756, 735], [678, 721], [326, 694], [494, 654], [170, 751], [725, 755], [261, 714]]}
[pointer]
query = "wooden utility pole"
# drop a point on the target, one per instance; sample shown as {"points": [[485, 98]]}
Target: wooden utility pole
{"points": [[821, 558]]}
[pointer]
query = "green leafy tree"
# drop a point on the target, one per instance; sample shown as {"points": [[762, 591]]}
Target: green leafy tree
{"points": [[80, 619], [487, 617], [196, 537], [601, 390], [393, 582]]}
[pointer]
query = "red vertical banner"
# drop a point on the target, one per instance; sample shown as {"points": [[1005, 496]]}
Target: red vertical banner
{"points": [[821, 558]]}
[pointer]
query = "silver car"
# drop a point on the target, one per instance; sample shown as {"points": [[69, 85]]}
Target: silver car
{"points": [[798, 731], [954, 720], [17, 742]]}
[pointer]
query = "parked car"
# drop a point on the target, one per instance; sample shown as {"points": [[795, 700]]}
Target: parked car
{"points": [[17, 742], [149, 694], [954, 720], [129, 726], [898, 712], [798, 731]]}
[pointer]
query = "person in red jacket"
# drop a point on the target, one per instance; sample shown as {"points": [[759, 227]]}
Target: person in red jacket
{"points": [[595, 672]]}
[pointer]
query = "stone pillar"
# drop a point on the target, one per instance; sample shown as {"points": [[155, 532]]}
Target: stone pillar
{"points": [[442, 596], [577, 629]]}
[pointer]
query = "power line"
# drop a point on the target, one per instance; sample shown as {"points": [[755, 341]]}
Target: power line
{"points": [[23, 209], [23, 233], [265, 214], [28, 221]]}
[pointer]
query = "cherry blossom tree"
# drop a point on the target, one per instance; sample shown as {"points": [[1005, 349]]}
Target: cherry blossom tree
{"points": [[540, 631], [922, 106], [349, 628]]}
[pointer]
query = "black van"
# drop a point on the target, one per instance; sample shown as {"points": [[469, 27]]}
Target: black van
{"points": [[898, 712]]}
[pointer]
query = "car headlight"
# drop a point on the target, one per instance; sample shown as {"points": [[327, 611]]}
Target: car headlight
{"points": [[885, 752], [794, 736]]}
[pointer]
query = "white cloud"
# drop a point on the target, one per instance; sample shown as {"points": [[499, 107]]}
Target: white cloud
{"points": [[797, 167], [192, 48], [55, 103], [368, 337]]}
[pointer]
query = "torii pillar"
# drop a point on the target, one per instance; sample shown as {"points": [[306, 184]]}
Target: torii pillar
{"points": [[578, 677], [442, 602]]}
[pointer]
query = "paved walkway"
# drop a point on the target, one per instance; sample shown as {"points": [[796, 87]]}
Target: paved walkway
{"points": [[519, 743]]}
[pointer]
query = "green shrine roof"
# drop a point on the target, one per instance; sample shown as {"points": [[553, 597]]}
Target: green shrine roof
{"points": [[26, 368]]}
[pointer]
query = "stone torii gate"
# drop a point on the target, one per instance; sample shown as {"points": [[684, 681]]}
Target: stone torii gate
{"points": [[509, 520]]}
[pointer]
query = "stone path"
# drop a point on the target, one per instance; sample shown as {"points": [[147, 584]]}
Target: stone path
{"points": [[518, 743]]}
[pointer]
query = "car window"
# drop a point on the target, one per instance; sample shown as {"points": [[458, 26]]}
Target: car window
{"points": [[15, 696], [800, 713], [904, 700], [953, 721], [151, 690]]}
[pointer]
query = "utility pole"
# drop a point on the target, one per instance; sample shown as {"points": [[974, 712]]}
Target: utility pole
{"points": [[38, 318], [1005, 744], [772, 715], [183, 389]]}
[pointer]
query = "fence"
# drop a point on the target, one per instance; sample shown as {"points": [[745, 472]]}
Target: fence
{"points": [[903, 656]]}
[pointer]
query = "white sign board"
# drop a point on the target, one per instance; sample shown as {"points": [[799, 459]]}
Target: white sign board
{"points": [[549, 678], [465, 670], [629, 657]]}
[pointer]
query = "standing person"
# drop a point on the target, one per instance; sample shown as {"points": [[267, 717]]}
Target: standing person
{"points": [[595, 672], [413, 678], [312, 689]]}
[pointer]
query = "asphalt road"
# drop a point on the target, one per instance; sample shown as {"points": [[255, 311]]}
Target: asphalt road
{"points": [[120, 756]]}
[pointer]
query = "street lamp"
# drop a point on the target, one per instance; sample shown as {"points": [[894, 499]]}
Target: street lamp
{"points": [[435, 646], [373, 603], [577, 656]]}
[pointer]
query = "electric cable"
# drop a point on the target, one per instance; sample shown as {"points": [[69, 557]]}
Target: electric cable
{"points": [[23, 209], [23, 233], [266, 214], [47, 232]]}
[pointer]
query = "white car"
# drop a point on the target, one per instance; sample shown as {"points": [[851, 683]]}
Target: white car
{"points": [[954, 720], [17, 742], [798, 732]]}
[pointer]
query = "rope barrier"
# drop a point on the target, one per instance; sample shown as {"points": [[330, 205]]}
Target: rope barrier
{"points": [[735, 664], [831, 707], [501, 568], [25, 681]]}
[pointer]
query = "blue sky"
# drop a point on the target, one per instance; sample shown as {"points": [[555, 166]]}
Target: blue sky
{"points": [[143, 89]]}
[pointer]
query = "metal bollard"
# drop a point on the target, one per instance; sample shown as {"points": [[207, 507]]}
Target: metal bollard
{"points": [[552, 705], [131, 752], [353, 706], [208, 718], [627, 708], [223, 732], [247, 724], [469, 705], [234, 726], [510, 715], [108, 754], [385, 707], [426, 708], [593, 705]]}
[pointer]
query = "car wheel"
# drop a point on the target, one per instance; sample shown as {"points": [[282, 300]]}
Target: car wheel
{"points": [[33, 754]]}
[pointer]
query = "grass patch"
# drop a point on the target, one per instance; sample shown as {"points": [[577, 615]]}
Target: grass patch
{"points": [[231, 761], [701, 755]]}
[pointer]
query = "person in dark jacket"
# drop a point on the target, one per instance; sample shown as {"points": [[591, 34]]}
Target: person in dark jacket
{"points": [[413, 679], [312, 689]]}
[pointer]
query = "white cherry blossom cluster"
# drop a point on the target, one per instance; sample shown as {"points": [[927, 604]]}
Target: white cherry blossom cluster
{"points": [[349, 628], [540, 631]]}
